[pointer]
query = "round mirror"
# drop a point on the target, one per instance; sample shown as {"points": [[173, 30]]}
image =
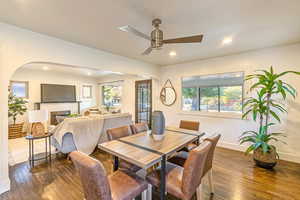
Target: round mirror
{"points": [[168, 95]]}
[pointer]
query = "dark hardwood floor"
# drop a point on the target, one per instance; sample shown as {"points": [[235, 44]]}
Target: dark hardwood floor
{"points": [[235, 178]]}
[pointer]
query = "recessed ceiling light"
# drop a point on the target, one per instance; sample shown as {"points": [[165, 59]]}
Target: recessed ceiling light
{"points": [[45, 68], [89, 73], [172, 53], [227, 40]]}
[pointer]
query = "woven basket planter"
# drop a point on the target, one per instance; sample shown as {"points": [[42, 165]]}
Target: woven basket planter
{"points": [[265, 160], [15, 131]]}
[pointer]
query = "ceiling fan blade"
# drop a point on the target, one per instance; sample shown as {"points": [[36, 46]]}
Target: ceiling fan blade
{"points": [[147, 51], [132, 30], [191, 39]]}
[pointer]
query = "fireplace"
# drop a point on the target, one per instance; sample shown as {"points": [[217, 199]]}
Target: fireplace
{"points": [[53, 115]]}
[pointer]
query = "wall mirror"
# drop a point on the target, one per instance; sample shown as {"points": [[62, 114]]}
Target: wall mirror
{"points": [[168, 94]]}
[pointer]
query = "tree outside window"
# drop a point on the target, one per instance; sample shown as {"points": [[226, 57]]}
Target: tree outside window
{"points": [[213, 93], [111, 95]]}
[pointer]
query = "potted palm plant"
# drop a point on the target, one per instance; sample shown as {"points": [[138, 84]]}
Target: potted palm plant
{"points": [[271, 92], [16, 106]]}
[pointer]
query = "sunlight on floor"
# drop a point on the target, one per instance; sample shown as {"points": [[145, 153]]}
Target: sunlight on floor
{"points": [[19, 150]]}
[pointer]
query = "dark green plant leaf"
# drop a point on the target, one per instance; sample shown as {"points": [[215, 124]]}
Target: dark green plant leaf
{"points": [[275, 116]]}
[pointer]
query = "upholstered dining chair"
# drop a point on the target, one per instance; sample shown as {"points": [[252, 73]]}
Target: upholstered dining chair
{"points": [[183, 182], [189, 125], [97, 185], [139, 127], [117, 133], [182, 157]]}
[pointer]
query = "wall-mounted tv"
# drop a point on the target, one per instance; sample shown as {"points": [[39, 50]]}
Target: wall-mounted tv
{"points": [[52, 93]]}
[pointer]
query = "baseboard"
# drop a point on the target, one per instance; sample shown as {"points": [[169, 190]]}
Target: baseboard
{"points": [[232, 146], [283, 156], [4, 185]]}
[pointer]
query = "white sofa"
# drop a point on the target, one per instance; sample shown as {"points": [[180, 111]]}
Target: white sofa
{"points": [[110, 121]]}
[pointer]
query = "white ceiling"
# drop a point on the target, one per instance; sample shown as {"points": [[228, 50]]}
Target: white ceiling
{"points": [[252, 24], [79, 71]]}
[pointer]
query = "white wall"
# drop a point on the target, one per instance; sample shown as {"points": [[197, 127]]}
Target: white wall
{"points": [[282, 58], [19, 47], [37, 77]]}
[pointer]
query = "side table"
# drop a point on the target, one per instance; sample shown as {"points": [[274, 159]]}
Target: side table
{"points": [[35, 157]]}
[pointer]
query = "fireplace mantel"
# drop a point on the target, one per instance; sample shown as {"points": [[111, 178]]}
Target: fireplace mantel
{"points": [[37, 105]]}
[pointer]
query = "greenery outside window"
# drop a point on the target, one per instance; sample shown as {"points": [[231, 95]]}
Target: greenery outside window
{"points": [[19, 89], [111, 95], [87, 91], [213, 93]]}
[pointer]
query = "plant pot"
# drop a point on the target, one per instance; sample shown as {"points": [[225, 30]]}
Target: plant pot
{"points": [[15, 131], [265, 160]]}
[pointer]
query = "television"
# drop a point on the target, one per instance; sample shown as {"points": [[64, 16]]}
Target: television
{"points": [[52, 93]]}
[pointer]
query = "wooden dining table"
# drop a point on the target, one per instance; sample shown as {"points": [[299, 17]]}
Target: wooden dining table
{"points": [[142, 150]]}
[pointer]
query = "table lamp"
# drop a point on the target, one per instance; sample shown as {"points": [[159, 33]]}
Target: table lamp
{"points": [[36, 117]]}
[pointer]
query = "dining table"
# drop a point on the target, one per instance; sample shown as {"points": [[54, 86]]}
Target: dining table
{"points": [[144, 151]]}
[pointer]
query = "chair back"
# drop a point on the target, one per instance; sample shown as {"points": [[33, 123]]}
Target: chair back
{"points": [[190, 125], [139, 127], [93, 177], [116, 133], [193, 168], [214, 140]]}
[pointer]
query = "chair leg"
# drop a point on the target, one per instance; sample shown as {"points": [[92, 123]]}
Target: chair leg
{"points": [[149, 192], [145, 194], [210, 181], [199, 192]]}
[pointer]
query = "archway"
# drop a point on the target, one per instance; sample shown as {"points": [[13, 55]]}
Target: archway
{"points": [[19, 47]]}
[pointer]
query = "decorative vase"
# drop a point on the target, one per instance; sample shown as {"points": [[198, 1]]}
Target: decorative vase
{"points": [[15, 131], [265, 160], [158, 125]]}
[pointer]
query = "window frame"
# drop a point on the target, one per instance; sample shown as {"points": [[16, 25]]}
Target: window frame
{"points": [[26, 83], [91, 91], [218, 112]]}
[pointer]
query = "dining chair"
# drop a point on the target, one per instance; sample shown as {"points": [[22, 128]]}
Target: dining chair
{"points": [[182, 157], [183, 182], [139, 127], [97, 185], [190, 125], [117, 133]]}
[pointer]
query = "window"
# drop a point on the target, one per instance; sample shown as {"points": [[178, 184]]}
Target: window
{"points": [[213, 93], [111, 95], [87, 91], [19, 88]]}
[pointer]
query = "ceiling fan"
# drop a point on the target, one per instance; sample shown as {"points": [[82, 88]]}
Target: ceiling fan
{"points": [[156, 37]]}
